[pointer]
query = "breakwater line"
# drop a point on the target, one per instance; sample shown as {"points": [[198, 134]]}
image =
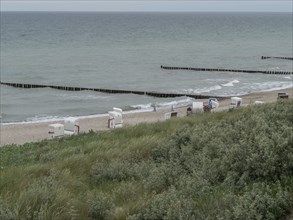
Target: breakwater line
{"points": [[116, 91], [283, 58], [225, 70]]}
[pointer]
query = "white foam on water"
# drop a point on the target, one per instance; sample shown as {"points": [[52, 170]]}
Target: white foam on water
{"points": [[175, 103], [265, 87], [35, 120], [202, 90], [274, 68], [279, 87], [142, 106], [231, 83], [45, 119], [83, 95]]}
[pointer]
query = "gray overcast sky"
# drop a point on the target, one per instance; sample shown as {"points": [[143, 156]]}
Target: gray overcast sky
{"points": [[140, 5]]}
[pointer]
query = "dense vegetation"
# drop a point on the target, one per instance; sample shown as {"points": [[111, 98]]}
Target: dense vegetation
{"points": [[228, 165]]}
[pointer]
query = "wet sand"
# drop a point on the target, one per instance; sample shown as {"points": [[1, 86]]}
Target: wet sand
{"points": [[33, 132]]}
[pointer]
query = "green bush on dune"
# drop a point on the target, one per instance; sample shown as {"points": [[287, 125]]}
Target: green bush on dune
{"points": [[228, 165]]}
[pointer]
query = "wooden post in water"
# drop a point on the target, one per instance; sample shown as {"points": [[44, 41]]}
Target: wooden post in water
{"points": [[229, 70]]}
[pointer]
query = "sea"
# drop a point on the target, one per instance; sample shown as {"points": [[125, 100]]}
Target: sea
{"points": [[115, 50]]}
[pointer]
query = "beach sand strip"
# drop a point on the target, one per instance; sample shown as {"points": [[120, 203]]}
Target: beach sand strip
{"points": [[33, 132]]}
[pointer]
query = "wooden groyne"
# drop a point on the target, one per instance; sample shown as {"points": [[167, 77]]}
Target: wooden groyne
{"points": [[117, 91], [283, 58], [226, 70]]}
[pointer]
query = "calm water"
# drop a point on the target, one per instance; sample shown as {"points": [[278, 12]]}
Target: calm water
{"points": [[125, 51]]}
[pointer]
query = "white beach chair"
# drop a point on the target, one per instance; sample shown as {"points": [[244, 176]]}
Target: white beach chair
{"points": [[71, 126], [55, 130], [169, 115], [115, 120], [235, 102], [197, 107], [214, 104]]}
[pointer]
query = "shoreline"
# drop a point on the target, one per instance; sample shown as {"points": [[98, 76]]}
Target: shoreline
{"points": [[25, 132], [128, 111]]}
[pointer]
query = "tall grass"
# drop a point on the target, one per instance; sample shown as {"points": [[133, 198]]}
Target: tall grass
{"points": [[228, 165]]}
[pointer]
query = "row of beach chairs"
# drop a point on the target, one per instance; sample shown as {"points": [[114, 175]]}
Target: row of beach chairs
{"points": [[71, 127]]}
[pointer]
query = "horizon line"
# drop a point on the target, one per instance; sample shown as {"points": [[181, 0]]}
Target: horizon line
{"points": [[147, 11]]}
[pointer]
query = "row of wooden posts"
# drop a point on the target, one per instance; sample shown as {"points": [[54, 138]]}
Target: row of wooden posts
{"points": [[152, 93], [283, 58], [234, 70], [70, 88], [225, 70]]}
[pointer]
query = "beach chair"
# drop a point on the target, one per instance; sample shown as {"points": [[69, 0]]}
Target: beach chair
{"points": [[197, 107], [235, 102], [189, 111], [283, 95], [213, 103], [174, 114], [55, 130], [71, 126], [169, 115], [210, 105], [115, 119], [119, 120]]}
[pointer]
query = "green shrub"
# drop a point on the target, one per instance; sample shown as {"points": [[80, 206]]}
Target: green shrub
{"points": [[233, 165], [167, 205], [100, 205], [6, 211], [116, 170], [263, 201]]}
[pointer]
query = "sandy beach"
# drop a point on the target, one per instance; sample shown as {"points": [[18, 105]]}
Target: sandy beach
{"points": [[33, 132]]}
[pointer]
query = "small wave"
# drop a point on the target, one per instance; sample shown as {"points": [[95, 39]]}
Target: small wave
{"points": [[231, 83], [83, 96], [39, 118], [279, 87], [206, 89], [180, 102], [265, 87], [44, 119], [287, 77], [142, 106], [200, 91], [35, 119], [274, 68], [175, 103]]}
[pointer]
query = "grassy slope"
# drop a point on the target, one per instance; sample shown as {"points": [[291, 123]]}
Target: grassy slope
{"points": [[235, 165]]}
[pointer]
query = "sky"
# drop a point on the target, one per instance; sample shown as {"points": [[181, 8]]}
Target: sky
{"points": [[144, 5]]}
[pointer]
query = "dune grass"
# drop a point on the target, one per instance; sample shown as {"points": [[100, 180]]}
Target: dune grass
{"points": [[227, 165]]}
